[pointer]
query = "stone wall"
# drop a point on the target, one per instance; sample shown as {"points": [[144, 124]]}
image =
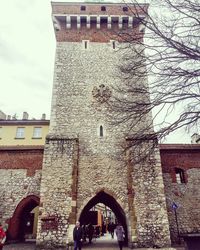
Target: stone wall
{"points": [[186, 195], [82, 88], [17, 184], [152, 224], [20, 178], [58, 188]]}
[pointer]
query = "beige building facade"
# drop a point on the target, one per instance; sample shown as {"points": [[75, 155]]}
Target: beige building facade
{"points": [[16, 132]]}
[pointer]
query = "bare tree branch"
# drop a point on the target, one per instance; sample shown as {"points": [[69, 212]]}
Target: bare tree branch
{"points": [[168, 55]]}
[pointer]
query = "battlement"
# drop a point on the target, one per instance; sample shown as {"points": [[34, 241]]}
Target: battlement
{"points": [[74, 22]]}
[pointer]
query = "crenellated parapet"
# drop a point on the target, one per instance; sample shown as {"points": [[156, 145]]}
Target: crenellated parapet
{"points": [[70, 19]]}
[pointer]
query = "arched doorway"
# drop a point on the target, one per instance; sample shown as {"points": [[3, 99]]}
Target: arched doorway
{"points": [[24, 219], [109, 201]]}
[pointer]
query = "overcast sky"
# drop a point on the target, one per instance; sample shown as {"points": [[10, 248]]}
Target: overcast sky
{"points": [[27, 49]]}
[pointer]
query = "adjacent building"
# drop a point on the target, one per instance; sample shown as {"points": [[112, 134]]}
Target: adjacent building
{"points": [[24, 132]]}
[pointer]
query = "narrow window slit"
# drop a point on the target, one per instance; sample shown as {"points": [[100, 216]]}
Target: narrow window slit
{"points": [[101, 131]]}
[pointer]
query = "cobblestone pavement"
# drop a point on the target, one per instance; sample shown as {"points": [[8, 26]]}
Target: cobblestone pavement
{"points": [[104, 242]]}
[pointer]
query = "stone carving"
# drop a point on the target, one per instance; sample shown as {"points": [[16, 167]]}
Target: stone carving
{"points": [[101, 93]]}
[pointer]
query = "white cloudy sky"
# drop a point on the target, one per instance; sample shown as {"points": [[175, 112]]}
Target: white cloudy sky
{"points": [[27, 49]]}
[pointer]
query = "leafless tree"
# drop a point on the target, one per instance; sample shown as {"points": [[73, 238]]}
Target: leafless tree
{"points": [[169, 57]]}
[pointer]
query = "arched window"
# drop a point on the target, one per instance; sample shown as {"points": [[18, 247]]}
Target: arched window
{"points": [[101, 131], [180, 175]]}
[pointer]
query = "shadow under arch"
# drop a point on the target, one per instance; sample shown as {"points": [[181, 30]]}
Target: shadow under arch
{"points": [[109, 201], [16, 225]]}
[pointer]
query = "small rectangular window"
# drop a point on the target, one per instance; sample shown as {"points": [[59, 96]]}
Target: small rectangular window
{"points": [[103, 8], [37, 132], [83, 8], [125, 8], [180, 176], [20, 133], [101, 131], [1, 132]]}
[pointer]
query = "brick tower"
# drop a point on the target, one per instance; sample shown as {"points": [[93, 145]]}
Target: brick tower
{"points": [[84, 161]]}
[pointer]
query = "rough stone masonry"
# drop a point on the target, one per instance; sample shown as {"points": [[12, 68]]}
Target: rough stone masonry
{"points": [[84, 152]]}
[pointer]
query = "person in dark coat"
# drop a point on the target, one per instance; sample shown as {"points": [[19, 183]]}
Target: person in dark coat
{"points": [[112, 229], [90, 232], [97, 229], [78, 236]]}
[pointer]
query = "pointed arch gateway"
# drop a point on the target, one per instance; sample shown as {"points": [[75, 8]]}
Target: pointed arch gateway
{"points": [[109, 201], [17, 224]]}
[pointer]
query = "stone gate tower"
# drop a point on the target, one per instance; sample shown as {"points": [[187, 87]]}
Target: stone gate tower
{"points": [[84, 160]]}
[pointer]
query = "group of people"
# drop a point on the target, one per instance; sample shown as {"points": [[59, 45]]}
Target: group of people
{"points": [[88, 231], [78, 234]]}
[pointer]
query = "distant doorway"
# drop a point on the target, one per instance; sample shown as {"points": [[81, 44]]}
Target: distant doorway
{"points": [[111, 211], [23, 224]]}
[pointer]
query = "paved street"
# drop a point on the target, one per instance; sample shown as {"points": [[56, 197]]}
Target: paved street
{"points": [[104, 242]]}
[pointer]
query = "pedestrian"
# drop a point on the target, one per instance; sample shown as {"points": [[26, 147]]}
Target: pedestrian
{"points": [[84, 233], [2, 237], [103, 229], [112, 229], [120, 235], [90, 232], [78, 236], [97, 229]]}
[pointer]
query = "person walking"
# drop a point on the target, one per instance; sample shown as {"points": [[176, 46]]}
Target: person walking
{"points": [[112, 229], [120, 235], [77, 236], [2, 237], [90, 232]]}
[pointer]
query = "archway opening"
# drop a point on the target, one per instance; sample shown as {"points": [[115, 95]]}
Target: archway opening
{"points": [[102, 198], [23, 224]]}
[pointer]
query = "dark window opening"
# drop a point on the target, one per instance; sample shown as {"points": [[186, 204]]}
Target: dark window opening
{"points": [[86, 44], [180, 175], [113, 44], [103, 8], [93, 23], [125, 8], [115, 23], [104, 20], [101, 131], [83, 8], [136, 22], [125, 21], [83, 21]]}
